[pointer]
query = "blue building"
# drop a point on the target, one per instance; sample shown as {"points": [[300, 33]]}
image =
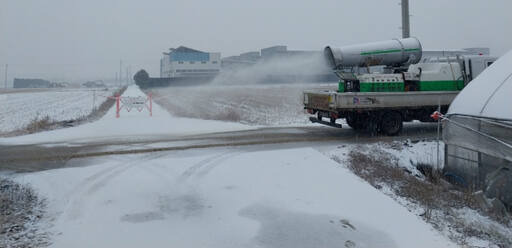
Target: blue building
{"points": [[188, 62]]}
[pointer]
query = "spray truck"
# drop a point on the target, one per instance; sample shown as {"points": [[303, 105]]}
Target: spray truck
{"points": [[383, 84]]}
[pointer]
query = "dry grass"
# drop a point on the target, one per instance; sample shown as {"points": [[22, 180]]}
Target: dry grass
{"points": [[20, 212], [99, 112], [46, 123], [229, 115], [39, 124], [434, 195]]}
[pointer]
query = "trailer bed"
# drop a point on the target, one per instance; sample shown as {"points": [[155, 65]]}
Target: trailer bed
{"points": [[332, 101]]}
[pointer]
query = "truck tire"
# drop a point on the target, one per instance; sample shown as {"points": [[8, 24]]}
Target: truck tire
{"points": [[424, 115], [354, 122], [391, 123]]}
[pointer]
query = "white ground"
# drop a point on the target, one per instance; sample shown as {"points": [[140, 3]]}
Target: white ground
{"points": [[129, 124], [18, 109], [228, 197], [224, 198]]}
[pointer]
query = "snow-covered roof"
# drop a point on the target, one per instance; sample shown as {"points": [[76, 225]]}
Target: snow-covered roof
{"points": [[489, 94]]}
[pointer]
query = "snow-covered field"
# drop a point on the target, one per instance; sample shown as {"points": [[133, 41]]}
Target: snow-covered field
{"points": [[130, 124], [18, 109], [249, 104]]}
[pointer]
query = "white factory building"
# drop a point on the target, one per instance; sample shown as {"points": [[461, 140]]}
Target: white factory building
{"points": [[186, 62]]}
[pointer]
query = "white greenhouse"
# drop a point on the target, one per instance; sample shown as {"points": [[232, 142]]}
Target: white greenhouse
{"points": [[478, 133]]}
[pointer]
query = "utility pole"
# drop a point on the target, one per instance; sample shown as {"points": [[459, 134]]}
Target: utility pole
{"points": [[406, 28], [130, 77], [5, 80], [120, 72], [127, 76]]}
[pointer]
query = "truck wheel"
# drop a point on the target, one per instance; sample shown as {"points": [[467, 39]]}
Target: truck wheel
{"points": [[391, 123], [354, 122], [424, 115]]}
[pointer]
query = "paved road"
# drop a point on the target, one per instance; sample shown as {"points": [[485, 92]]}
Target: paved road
{"points": [[25, 158]]}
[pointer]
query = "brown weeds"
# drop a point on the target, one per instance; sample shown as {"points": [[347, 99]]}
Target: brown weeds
{"points": [[432, 193], [20, 211]]}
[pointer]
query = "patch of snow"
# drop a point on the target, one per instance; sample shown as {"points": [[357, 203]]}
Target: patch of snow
{"points": [[411, 154], [406, 154], [472, 218]]}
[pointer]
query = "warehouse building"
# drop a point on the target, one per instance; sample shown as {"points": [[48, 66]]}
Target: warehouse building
{"points": [[282, 52], [241, 61], [265, 54], [185, 62], [277, 64], [31, 83]]}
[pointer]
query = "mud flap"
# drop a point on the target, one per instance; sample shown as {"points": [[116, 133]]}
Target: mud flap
{"points": [[327, 123]]}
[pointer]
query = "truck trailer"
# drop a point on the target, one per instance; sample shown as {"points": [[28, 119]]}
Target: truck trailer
{"points": [[382, 85]]}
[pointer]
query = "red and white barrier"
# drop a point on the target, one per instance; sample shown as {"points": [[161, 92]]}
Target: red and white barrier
{"points": [[134, 102]]}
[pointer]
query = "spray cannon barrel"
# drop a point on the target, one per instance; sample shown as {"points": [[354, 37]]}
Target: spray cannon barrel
{"points": [[397, 52]]}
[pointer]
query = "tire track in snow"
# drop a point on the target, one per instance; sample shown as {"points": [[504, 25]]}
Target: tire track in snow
{"points": [[204, 166], [192, 169], [96, 182], [212, 165]]}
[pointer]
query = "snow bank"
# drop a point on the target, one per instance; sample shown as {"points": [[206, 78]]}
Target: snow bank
{"points": [[488, 94], [406, 154], [225, 198], [130, 124]]}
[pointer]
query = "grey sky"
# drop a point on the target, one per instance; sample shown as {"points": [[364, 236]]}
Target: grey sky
{"points": [[76, 40]]}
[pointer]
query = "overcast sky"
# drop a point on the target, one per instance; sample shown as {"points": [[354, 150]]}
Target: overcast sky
{"points": [[77, 40]]}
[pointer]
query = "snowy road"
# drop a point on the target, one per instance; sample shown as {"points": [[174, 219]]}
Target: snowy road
{"points": [[168, 181], [41, 156], [224, 198], [136, 132]]}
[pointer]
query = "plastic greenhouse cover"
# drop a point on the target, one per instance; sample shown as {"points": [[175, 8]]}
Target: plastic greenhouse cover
{"points": [[489, 94]]}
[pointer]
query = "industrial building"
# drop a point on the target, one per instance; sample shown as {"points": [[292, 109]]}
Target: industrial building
{"points": [[30, 83], [265, 54], [283, 52], [243, 60], [183, 62], [289, 65]]}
